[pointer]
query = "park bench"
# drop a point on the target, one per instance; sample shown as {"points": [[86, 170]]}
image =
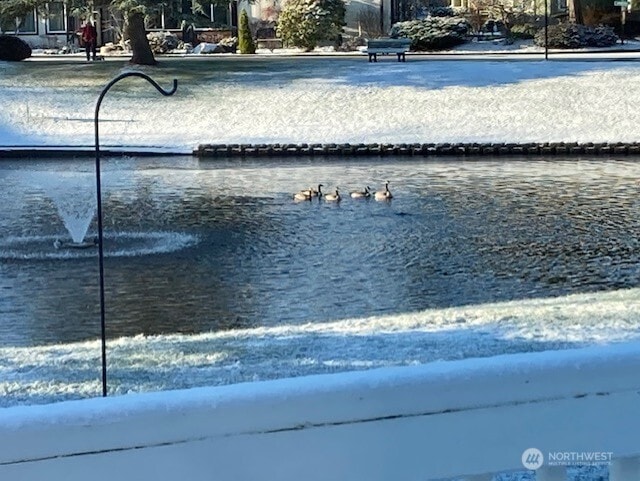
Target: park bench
{"points": [[485, 36], [270, 43], [384, 46]]}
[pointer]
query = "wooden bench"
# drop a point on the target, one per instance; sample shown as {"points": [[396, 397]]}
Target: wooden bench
{"points": [[481, 36], [384, 46], [270, 43]]}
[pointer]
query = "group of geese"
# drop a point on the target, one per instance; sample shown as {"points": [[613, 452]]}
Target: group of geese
{"points": [[310, 193]]}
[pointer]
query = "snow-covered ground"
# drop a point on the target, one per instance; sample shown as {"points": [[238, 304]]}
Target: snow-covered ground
{"points": [[325, 100], [155, 363]]}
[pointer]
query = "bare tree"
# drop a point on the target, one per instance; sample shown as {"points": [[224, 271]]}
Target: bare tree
{"points": [[575, 11], [369, 22]]}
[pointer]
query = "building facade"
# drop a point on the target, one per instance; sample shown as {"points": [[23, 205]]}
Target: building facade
{"points": [[56, 28]]}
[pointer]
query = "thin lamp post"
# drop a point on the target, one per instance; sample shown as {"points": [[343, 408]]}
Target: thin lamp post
{"points": [[546, 29], [103, 328]]}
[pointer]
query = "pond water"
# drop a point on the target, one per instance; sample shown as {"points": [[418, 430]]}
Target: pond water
{"points": [[196, 246]]}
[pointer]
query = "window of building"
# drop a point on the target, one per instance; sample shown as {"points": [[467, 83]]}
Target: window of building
{"points": [[168, 17], [219, 14], [163, 18], [56, 17], [154, 20], [25, 25]]}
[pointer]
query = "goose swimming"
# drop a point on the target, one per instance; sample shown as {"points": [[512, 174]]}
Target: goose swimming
{"points": [[365, 194], [313, 192], [302, 195], [384, 194], [333, 197]]}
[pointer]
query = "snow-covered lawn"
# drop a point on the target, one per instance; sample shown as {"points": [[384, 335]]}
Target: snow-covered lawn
{"points": [[329, 99]]}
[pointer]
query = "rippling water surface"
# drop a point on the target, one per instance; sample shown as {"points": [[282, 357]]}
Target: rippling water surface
{"points": [[215, 245]]}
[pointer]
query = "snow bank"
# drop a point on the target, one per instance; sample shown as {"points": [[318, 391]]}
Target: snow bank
{"points": [[439, 420]]}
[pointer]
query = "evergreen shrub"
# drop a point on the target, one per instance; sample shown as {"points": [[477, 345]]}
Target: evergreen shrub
{"points": [[572, 35], [524, 31], [245, 39], [433, 33], [306, 23], [13, 48]]}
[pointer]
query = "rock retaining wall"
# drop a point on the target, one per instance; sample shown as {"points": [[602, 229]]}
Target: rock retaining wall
{"points": [[459, 149], [330, 149]]}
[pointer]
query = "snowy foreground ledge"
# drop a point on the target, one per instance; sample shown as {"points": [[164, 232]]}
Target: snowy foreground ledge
{"points": [[439, 420]]}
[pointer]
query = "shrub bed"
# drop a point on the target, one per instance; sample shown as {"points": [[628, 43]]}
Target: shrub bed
{"points": [[306, 23], [433, 33], [524, 31], [13, 48], [571, 35]]}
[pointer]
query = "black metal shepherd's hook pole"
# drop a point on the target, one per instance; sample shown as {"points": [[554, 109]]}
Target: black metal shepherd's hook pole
{"points": [[546, 30], [99, 199]]}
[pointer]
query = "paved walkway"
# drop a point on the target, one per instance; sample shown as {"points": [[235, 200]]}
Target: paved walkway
{"points": [[627, 51]]}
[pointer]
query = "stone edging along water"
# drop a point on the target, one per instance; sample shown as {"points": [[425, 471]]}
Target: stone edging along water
{"points": [[347, 149], [458, 149]]}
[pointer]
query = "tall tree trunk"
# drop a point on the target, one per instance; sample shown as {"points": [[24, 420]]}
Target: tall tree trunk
{"points": [[135, 31], [575, 11]]}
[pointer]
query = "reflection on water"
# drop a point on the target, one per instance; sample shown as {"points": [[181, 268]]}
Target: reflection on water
{"points": [[456, 233]]}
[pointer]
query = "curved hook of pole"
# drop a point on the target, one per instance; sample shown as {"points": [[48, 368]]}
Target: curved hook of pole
{"points": [[166, 93], [107, 87]]}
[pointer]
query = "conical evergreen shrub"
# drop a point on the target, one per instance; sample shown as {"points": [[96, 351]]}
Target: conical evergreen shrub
{"points": [[245, 40]]}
